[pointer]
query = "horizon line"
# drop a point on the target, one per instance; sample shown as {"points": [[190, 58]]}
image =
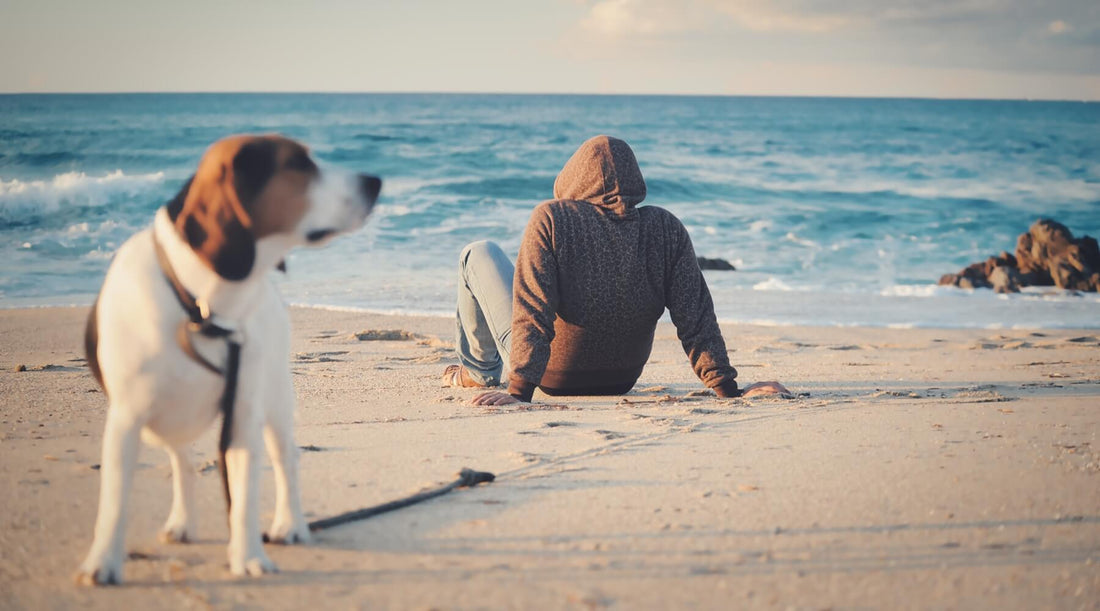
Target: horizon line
{"points": [[560, 94]]}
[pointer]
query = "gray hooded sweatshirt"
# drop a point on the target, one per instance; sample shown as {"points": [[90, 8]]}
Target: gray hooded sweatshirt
{"points": [[593, 276]]}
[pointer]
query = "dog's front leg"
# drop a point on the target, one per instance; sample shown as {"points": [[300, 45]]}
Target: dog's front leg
{"points": [[246, 550], [121, 445], [289, 525], [180, 527]]}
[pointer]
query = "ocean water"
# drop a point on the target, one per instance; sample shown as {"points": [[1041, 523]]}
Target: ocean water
{"points": [[835, 211]]}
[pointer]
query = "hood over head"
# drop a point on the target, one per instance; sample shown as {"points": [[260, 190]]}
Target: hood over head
{"points": [[602, 172]]}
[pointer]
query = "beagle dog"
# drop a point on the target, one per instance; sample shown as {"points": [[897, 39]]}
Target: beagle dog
{"points": [[176, 298]]}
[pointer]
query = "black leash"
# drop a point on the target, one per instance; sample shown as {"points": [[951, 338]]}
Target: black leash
{"points": [[467, 478], [229, 395], [200, 321]]}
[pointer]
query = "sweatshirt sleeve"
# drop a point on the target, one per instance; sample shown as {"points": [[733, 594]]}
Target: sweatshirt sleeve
{"points": [[692, 310], [534, 305]]}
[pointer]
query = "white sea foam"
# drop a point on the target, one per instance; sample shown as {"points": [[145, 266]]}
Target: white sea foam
{"points": [[393, 210], [913, 290], [772, 284], [99, 255], [379, 311], [760, 226], [791, 237], [21, 199]]}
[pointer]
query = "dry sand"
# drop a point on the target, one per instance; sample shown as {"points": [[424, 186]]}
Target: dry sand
{"points": [[920, 468]]}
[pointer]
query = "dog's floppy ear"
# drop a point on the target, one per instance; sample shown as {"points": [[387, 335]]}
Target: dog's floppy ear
{"points": [[215, 216], [175, 207], [253, 167]]}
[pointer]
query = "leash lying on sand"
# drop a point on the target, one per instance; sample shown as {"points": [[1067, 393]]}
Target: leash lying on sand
{"points": [[467, 478]]}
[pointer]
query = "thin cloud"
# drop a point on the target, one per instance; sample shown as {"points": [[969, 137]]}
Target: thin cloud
{"points": [[665, 17], [1058, 27], [643, 17]]}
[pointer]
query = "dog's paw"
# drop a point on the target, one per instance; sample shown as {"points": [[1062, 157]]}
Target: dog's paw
{"points": [[288, 534], [98, 574], [174, 535], [177, 533], [254, 566]]}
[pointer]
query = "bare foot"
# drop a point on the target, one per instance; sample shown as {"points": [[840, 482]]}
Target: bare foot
{"points": [[458, 377]]}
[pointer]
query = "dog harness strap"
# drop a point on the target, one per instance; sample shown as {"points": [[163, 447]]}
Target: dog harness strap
{"points": [[200, 321], [183, 338], [232, 366], [187, 301]]}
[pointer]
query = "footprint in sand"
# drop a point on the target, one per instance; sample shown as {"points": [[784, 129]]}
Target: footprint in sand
{"points": [[768, 350], [979, 394], [384, 335], [319, 357], [1017, 345], [48, 367], [1000, 343], [435, 357], [528, 457], [896, 393], [608, 435]]}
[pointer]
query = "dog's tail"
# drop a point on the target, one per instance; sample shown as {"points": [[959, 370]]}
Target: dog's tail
{"points": [[91, 344], [232, 366]]}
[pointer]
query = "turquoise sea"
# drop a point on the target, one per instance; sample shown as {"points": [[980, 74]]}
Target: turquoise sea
{"points": [[835, 211]]}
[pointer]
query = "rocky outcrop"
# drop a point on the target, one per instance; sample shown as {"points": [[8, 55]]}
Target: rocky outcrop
{"points": [[718, 264], [1047, 255]]}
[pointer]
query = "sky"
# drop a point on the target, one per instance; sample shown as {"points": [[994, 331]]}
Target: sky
{"points": [[1029, 49]]}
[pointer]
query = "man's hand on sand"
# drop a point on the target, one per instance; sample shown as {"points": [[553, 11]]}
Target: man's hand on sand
{"points": [[494, 397], [761, 389]]}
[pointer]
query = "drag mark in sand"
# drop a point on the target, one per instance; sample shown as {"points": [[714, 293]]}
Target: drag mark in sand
{"points": [[670, 427], [400, 335], [320, 357]]}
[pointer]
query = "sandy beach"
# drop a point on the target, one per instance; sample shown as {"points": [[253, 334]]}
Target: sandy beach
{"points": [[915, 469]]}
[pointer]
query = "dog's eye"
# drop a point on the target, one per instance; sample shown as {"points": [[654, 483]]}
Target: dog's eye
{"points": [[301, 163]]}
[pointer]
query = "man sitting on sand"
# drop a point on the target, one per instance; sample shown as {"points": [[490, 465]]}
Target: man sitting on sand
{"points": [[594, 275]]}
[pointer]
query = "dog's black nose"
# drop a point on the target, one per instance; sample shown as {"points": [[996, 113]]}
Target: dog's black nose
{"points": [[370, 186]]}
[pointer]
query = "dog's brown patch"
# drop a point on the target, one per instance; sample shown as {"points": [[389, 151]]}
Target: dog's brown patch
{"points": [[246, 188]]}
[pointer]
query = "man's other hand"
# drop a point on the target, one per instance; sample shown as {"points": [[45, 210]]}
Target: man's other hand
{"points": [[494, 397], [761, 389]]}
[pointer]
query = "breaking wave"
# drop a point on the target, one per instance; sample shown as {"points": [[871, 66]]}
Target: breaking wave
{"points": [[24, 201]]}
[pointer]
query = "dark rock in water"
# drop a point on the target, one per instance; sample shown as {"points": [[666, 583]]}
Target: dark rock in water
{"points": [[718, 264], [1047, 255], [977, 276], [1005, 279]]}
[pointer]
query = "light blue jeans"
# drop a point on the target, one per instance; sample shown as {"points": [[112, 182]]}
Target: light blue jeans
{"points": [[483, 329]]}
